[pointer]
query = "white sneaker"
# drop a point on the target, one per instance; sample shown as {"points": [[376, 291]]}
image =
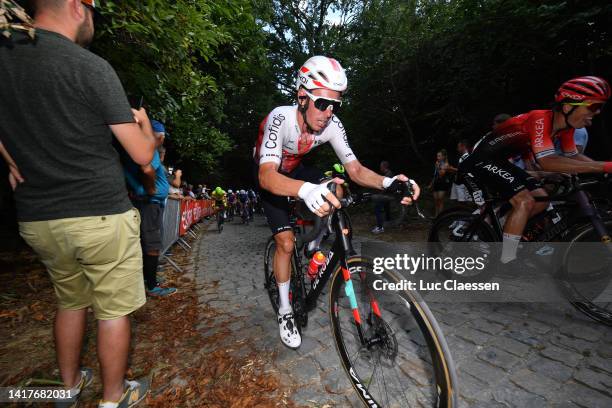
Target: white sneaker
{"points": [[378, 230], [289, 334]]}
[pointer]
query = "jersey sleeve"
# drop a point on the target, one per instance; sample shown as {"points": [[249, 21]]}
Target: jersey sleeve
{"points": [[568, 145], [271, 140], [339, 141], [539, 128]]}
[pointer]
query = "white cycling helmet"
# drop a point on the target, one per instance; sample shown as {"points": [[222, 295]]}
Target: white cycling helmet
{"points": [[229, 191], [322, 72]]}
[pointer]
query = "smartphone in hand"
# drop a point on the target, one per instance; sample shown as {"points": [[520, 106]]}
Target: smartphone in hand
{"points": [[136, 102]]}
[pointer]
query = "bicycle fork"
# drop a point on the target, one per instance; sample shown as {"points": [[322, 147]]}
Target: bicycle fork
{"points": [[349, 291], [593, 215], [343, 233]]}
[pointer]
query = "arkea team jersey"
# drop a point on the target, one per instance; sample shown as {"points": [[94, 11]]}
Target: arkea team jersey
{"points": [[527, 134], [281, 141]]}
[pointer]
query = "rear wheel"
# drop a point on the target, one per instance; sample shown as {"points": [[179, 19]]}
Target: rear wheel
{"points": [[403, 359], [296, 291]]}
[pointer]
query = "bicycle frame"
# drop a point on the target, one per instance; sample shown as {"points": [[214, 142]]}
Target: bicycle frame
{"points": [[577, 197], [342, 248]]}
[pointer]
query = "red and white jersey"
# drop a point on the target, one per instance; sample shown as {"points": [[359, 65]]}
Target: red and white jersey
{"points": [[527, 134], [281, 141]]}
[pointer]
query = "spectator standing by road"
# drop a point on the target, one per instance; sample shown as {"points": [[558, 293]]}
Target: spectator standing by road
{"points": [[382, 206], [205, 194], [59, 103], [149, 186], [441, 181], [175, 183], [458, 190]]}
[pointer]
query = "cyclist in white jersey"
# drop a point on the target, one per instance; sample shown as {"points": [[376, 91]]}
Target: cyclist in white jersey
{"points": [[285, 136]]}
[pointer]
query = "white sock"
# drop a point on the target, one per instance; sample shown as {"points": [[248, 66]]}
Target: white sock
{"points": [[509, 247], [283, 297]]}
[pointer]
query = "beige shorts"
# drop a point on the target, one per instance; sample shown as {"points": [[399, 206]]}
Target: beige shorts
{"points": [[92, 261]]}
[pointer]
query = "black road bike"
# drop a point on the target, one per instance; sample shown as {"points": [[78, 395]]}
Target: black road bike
{"points": [[390, 345], [220, 218], [577, 218], [244, 213]]}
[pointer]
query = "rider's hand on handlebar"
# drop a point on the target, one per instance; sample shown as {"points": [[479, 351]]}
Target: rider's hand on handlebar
{"points": [[388, 183], [318, 197]]}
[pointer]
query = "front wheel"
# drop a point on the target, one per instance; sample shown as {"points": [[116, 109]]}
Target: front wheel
{"points": [[588, 284], [400, 358], [462, 232]]}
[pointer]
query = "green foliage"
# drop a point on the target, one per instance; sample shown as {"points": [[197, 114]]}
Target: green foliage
{"points": [[187, 58], [422, 73], [438, 71]]}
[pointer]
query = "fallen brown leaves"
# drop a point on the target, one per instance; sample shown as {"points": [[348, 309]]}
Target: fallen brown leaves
{"points": [[188, 367], [191, 368], [27, 307]]}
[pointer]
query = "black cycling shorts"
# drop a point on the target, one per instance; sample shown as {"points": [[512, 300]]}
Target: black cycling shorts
{"points": [[276, 208], [498, 175]]}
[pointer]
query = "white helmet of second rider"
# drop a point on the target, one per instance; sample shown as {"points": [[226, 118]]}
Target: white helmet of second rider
{"points": [[322, 72]]}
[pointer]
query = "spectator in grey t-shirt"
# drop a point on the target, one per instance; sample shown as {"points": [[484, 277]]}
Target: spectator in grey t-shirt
{"points": [[59, 103]]}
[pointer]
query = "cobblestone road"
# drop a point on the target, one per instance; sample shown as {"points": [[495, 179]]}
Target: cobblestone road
{"points": [[507, 355]]}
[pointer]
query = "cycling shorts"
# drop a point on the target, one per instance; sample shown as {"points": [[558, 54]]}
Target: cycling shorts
{"points": [[498, 175], [276, 208]]}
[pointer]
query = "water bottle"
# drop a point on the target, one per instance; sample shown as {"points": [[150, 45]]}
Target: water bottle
{"points": [[317, 260]]}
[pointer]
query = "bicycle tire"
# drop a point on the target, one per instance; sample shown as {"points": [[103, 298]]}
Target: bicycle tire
{"points": [[297, 291], [269, 279], [581, 291], [410, 343], [451, 227], [219, 222]]}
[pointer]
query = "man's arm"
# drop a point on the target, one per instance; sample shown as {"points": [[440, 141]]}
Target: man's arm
{"points": [[367, 178], [312, 194], [575, 164], [148, 178], [14, 175], [270, 179], [137, 138], [363, 176], [176, 181], [581, 157]]}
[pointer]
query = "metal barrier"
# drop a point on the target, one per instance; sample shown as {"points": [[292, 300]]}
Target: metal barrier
{"points": [[172, 218], [180, 217]]}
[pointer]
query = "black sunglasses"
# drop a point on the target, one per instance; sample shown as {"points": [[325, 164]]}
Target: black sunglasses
{"points": [[322, 103]]}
